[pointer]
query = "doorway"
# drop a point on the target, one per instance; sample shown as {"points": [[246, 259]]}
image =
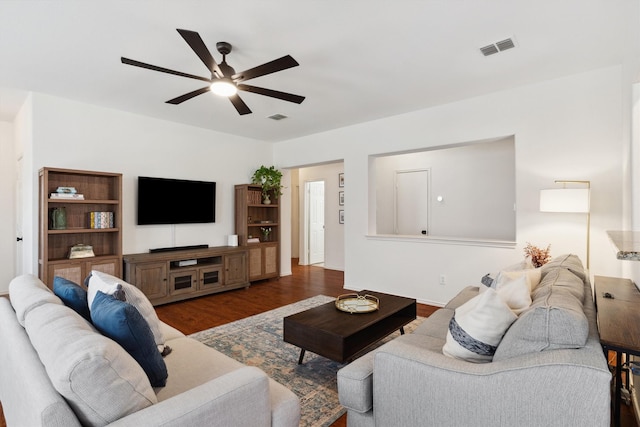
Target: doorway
{"points": [[315, 221]]}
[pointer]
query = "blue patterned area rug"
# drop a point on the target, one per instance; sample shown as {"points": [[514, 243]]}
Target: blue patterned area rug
{"points": [[257, 341]]}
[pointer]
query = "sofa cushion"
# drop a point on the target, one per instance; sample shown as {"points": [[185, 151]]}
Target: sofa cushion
{"points": [[99, 379], [555, 319], [121, 322], [72, 295], [26, 293], [569, 262], [477, 327], [136, 298]]}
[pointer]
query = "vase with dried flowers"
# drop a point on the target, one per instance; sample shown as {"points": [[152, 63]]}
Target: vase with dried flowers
{"points": [[539, 257]]}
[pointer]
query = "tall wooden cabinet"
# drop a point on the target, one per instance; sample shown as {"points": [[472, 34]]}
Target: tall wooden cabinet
{"points": [[253, 217], [102, 192]]}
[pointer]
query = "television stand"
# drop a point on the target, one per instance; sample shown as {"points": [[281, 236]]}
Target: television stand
{"points": [[179, 274]]}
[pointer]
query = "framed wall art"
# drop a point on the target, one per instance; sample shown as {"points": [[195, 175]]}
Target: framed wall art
{"points": [[341, 198], [341, 179], [341, 216]]}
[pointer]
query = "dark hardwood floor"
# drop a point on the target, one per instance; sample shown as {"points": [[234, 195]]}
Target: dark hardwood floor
{"points": [[306, 281]]}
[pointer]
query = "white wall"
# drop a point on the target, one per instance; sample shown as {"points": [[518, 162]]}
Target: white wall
{"points": [[476, 183], [7, 213], [569, 128], [69, 134], [333, 232]]}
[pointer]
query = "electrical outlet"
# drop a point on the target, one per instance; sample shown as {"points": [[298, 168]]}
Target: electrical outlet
{"points": [[443, 280]]}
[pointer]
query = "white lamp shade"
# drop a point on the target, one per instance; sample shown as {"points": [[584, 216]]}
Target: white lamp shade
{"points": [[574, 200]]}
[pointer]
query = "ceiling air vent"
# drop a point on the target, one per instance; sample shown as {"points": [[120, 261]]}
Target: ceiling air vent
{"points": [[496, 47], [277, 117]]}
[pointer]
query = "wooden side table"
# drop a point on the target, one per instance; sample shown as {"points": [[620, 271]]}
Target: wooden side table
{"points": [[618, 307]]}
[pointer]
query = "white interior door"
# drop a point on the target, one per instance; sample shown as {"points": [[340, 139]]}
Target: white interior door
{"points": [[412, 202], [18, 219], [316, 221]]}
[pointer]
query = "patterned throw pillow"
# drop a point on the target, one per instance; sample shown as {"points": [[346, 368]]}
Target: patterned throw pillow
{"points": [[477, 326]]}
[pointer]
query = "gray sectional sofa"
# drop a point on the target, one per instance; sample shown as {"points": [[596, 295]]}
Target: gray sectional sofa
{"points": [[548, 370], [49, 351]]}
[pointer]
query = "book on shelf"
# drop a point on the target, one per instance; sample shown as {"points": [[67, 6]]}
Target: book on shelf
{"points": [[253, 240], [67, 196], [101, 220]]}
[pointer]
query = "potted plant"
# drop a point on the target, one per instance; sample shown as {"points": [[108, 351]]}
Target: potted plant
{"points": [[269, 178]]}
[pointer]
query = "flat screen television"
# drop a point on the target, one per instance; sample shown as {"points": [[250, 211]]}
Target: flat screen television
{"points": [[175, 201]]}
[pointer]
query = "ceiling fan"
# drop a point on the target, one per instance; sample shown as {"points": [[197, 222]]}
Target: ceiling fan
{"points": [[224, 80]]}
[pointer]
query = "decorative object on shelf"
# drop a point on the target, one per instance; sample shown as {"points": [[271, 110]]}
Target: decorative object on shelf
{"points": [[59, 218], [354, 303], [70, 190], [341, 198], [265, 232], [569, 200], [270, 179], [341, 179], [100, 220], [81, 251], [341, 216], [539, 257]]}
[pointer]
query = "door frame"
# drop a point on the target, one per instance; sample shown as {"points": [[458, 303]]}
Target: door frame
{"points": [[306, 241]]}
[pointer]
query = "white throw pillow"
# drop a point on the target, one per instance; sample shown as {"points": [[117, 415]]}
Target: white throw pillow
{"points": [[489, 279], [516, 294], [533, 276], [477, 327], [105, 283]]}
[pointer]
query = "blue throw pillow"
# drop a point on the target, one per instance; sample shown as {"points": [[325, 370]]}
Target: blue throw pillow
{"points": [[122, 322], [72, 295]]}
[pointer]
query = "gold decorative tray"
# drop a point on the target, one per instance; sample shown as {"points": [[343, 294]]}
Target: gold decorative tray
{"points": [[354, 303]]}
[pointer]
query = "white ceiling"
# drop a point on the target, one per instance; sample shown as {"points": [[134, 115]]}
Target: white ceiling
{"points": [[360, 60]]}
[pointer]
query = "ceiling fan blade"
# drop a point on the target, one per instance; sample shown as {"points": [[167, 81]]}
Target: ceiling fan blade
{"points": [[188, 96], [272, 93], [267, 68], [240, 105], [194, 40], [161, 69]]}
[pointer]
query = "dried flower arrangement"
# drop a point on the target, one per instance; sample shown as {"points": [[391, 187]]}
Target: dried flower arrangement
{"points": [[539, 257]]}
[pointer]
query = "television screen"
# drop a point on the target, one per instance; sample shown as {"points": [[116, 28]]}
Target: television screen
{"points": [[175, 201]]}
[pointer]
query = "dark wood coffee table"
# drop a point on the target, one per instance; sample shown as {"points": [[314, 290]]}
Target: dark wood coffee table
{"points": [[338, 335]]}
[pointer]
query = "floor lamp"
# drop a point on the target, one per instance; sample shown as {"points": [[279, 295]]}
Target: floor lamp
{"points": [[569, 200]]}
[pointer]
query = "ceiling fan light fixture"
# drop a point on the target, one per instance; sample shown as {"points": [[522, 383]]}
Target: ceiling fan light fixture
{"points": [[224, 87]]}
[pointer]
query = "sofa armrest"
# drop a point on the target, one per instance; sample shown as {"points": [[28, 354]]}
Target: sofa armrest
{"points": [[239, 398], [355, 384], [414, 386]]}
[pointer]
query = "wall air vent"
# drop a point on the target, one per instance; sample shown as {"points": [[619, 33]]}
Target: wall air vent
{"points": [[496, 47], [277, 117]]}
